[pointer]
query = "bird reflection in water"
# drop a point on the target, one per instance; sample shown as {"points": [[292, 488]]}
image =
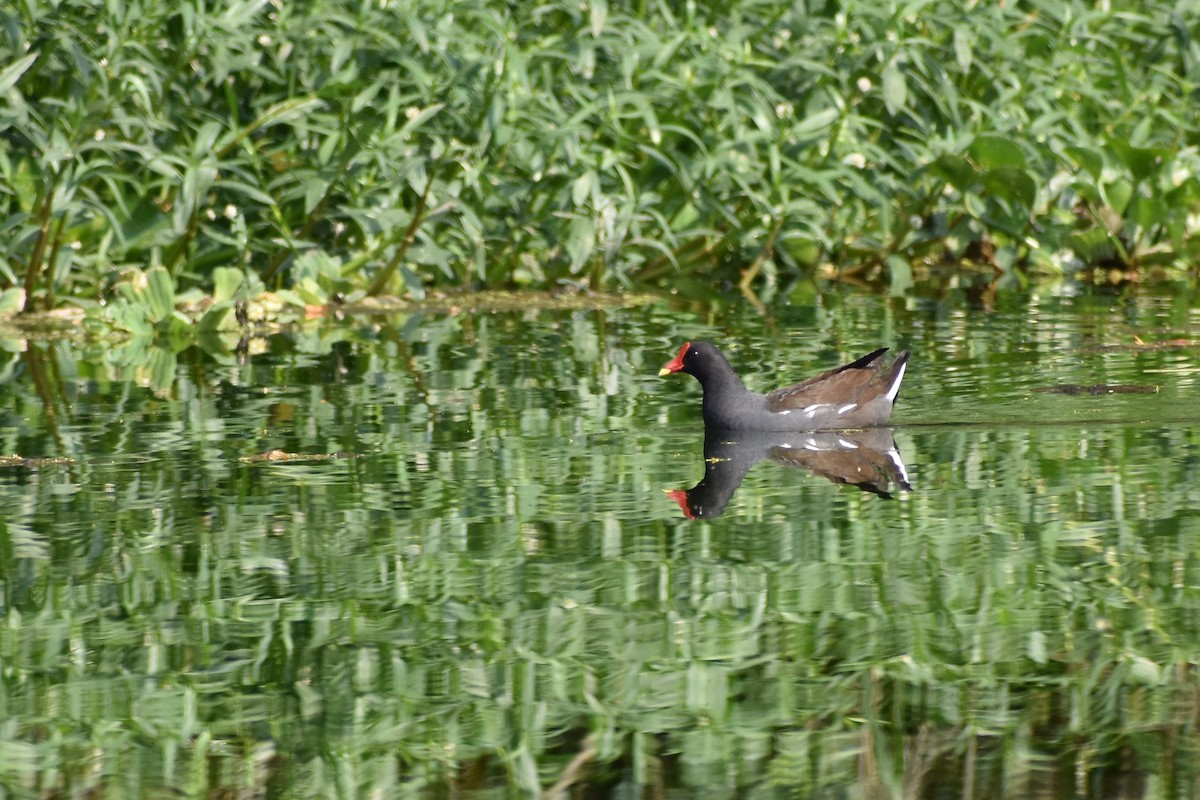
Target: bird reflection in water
{"points": [[867, 459]]}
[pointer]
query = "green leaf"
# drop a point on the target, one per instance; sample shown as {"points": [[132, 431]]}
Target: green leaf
{"points": [[963, 47], [804, 250], [312, 292], [144, 225], [1144, 671], [1037, 647], [955, 170], [13, 72], [992, 151], [581, 240], [895, 89], [226, 282], [12, 302], [814, 123], [160, 294], [1089, 159], [1147, 211], [1091, 245], [131, 318], [176, 330], [161, 366], [582, 188], [899, 274], [249, 192], [1005, 258], [134, 352], [1012, 184], [1117, 194], [291, 298], [1141, 161], [419, 119], [599, 15], [214, 318]]}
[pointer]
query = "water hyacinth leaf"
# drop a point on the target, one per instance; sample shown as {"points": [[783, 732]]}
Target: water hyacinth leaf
{"points": [[704, 110], [974, 204], [1162, 254], [802, 249], [1089, 160], [1146, 211], [1117, 194], [955, 170], [992, 151], [895, 89], [143, 227], [1091, 245], [1012, 184], [160, 294], [1142, 162], [1005, 258], [1088, 191]]}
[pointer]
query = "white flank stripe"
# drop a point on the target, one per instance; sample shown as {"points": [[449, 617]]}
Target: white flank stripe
{"points": [[895, 387], [895, 457], [847, 408]]}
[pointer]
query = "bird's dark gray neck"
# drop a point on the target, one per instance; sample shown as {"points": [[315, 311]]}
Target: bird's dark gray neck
{"points": [[728, 404]]}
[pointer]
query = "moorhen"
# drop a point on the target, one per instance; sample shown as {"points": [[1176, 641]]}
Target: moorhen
{"points": [[857, 395]]}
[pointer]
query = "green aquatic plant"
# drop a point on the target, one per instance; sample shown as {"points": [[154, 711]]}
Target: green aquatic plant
{"points": [[568, 143]]}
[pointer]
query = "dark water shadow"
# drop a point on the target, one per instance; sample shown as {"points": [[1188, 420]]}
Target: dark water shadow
{"points": [[866, 459]]}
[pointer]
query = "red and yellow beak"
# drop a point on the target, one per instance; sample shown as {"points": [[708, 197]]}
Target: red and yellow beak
{"points": [[676, 363]]}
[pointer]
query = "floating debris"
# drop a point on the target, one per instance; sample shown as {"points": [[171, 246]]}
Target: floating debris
{"points": [[280, 455], [1097, 389], [34, 463]]}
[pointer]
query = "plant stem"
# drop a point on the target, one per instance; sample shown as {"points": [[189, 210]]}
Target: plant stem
{"points": [[385, 275], [34, 267]]}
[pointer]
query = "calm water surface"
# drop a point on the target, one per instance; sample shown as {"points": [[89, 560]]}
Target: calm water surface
{"points": [[447, 556]]}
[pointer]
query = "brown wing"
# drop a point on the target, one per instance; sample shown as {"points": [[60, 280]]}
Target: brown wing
{"points": [[866, 459], [851, 383]]}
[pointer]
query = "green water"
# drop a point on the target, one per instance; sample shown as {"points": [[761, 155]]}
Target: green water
{"points": [[484, 590]]}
